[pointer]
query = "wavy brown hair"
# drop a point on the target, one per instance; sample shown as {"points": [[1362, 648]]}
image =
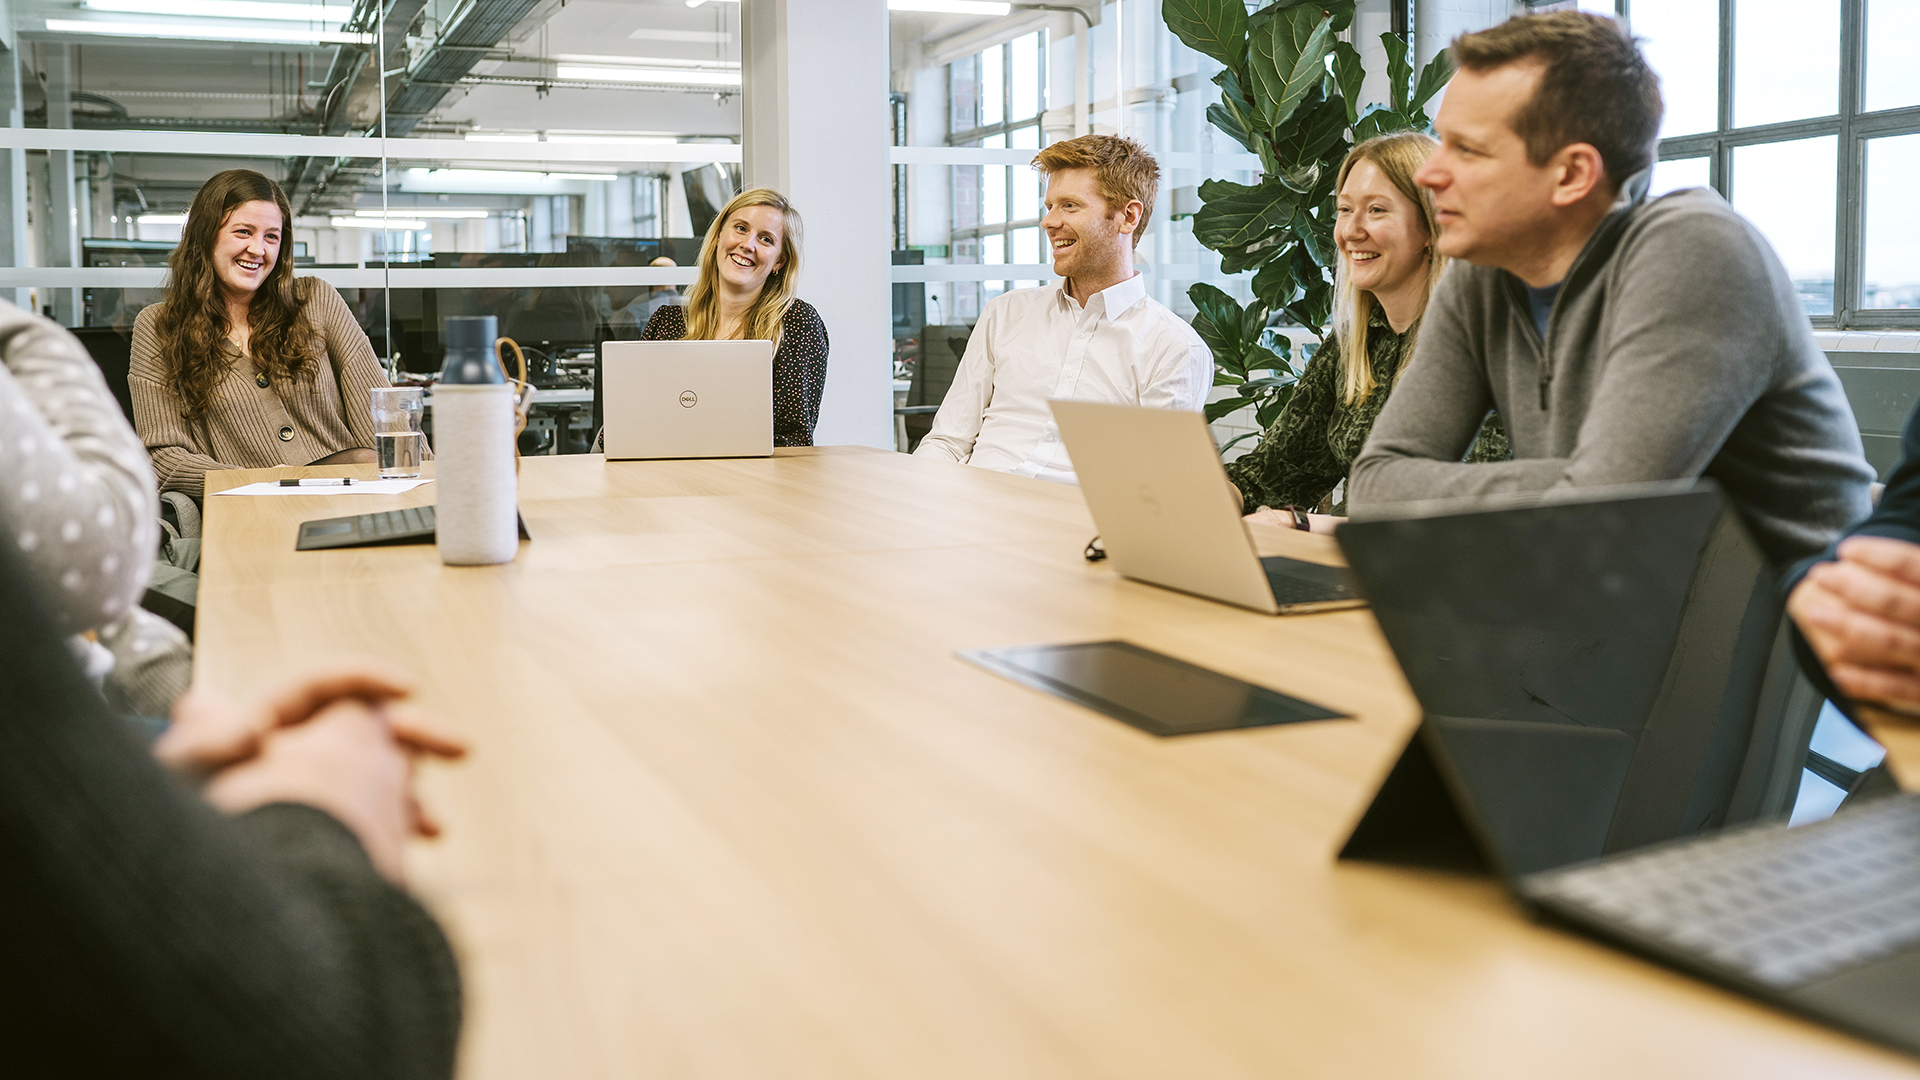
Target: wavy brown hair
{"points": [[193, 319]]}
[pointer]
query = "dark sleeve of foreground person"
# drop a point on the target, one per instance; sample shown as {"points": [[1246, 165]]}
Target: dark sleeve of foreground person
{"points": [[142, 933]]}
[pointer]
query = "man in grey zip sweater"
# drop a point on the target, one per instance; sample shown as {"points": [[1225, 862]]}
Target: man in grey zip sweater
{"points": [[1620, 339]]}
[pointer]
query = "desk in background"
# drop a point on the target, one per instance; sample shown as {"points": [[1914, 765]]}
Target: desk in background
{"points": [[735, 809]]}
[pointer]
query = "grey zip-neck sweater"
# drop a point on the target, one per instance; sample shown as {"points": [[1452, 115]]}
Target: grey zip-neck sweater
{"points": [[1676, 348]]}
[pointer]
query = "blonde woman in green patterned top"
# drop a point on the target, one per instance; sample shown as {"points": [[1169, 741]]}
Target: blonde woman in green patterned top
{"points": [[1388, 267]]}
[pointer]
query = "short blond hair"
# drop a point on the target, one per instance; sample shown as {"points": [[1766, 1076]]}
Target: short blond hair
{"points": [[1123, 168]]}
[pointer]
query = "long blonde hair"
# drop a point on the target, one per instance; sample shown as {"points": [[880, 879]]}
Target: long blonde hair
{"points": [[776, 294], [1398, 157]]}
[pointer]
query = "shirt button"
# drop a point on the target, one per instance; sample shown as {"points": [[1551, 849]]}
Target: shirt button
{"points": [[1049, 436], [260, 380], [286, 434]]}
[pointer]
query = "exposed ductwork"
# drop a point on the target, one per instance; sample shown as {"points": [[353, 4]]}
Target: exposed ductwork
{"points": [[475, 31], [308, 177], [415, 92]]}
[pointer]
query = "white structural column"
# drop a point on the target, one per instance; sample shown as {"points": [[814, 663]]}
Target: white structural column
{"points": [[816, 129]]}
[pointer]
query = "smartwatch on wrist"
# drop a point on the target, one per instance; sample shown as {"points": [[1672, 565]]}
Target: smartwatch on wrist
{"points": [[1300, 521]]}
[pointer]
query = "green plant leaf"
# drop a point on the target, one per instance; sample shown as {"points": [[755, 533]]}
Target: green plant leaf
{"points": [[1314, 307], [1234, 260], [1315, 230], [1399, 70], [1273, 405], [1217, 320], [1274, 285], [1316, 129], [1226, 378], [1379, 120], [1349, 72], [1224, 407], [1237, 439], [1279, 344], [1231, 217], [1219, 116], [1301, 178], [1301, 40], [1340, 11], [1432, 78], [1215, 27], [1252, 319]]}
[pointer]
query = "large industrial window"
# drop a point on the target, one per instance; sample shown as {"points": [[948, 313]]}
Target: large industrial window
{"points": [[996, 98], [1806, 115]]}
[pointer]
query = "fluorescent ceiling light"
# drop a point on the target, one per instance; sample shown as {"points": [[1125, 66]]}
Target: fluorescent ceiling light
{"points": [[627, 140], [645, 61], [950, 7], [389, 224], [180, 31], [225, 9], [417, 212], [696, 37], [503, 174], [500, 137], [162, 219], [675, 76]]}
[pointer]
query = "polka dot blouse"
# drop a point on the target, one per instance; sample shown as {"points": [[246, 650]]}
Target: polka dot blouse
{"points": [[799, 366], [77, 497]]}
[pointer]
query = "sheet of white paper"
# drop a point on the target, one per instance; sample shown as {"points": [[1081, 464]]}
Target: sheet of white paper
{"points": [[358, 487]]}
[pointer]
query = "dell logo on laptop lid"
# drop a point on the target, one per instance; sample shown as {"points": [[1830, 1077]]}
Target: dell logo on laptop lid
{"points": [[688, 399]]}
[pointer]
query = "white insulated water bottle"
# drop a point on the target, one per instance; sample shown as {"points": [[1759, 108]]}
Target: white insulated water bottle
{"points": [[477, 504]]}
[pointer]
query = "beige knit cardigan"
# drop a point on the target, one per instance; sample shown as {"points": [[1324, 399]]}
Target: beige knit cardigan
{"points": [[256, 422]]}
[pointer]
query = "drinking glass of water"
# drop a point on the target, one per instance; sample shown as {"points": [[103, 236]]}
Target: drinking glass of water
{"points": [[398, 442]]}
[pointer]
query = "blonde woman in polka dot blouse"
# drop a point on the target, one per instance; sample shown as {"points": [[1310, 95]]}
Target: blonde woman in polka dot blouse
{"points": [[749, 272], [78, 500]]}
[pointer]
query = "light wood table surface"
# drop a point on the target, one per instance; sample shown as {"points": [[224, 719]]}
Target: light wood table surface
{"points": [[735, 809]]}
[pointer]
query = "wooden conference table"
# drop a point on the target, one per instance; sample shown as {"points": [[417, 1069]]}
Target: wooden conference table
{"points": [[736, 810]]}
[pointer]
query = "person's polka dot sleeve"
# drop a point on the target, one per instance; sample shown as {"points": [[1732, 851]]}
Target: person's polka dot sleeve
{"points": [[799, 375], [78, 499]]}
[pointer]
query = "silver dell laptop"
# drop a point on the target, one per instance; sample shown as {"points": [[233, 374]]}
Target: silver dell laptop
{"points": [[687, 399], [1166, 514]]}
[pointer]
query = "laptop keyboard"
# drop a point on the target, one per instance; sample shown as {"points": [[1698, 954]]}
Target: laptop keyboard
{"points": [[1298, 582], [1783, 907]]}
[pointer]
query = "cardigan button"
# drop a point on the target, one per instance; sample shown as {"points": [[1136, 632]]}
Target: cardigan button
{"points": [[286, 434], [260, 380]]}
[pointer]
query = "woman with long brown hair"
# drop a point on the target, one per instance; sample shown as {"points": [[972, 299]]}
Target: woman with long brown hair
{"points": [[242, 366], [749, 273], [1388, 265]]}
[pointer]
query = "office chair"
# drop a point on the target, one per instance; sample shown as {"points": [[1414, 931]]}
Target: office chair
{"points": [[112, 350], [941, 348]]}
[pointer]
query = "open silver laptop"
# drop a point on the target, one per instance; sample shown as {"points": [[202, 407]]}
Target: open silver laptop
{"points": [[687, 399], [1166, 514]]}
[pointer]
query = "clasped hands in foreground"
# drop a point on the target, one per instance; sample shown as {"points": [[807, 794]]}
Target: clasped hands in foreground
{"points": [[1861, 616], [341, 738]]}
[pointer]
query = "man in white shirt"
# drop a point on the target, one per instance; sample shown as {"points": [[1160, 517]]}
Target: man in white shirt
{"points": [[1097, 336]]}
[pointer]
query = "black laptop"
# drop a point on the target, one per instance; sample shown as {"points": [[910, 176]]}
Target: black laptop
{"points": [[1589, 670]]}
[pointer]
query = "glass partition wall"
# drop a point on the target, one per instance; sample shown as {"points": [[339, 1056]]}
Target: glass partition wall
{"points": [[531, 161], [976, 97]]}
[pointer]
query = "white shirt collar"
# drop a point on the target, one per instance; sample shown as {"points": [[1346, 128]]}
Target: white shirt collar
{"points": [[1114, 299]]}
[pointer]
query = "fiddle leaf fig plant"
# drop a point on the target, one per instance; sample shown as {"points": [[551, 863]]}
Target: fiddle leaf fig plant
{"points": [[1289, 93]]}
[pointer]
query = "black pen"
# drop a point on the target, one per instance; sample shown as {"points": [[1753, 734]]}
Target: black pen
{"points": [[323, 481]]}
